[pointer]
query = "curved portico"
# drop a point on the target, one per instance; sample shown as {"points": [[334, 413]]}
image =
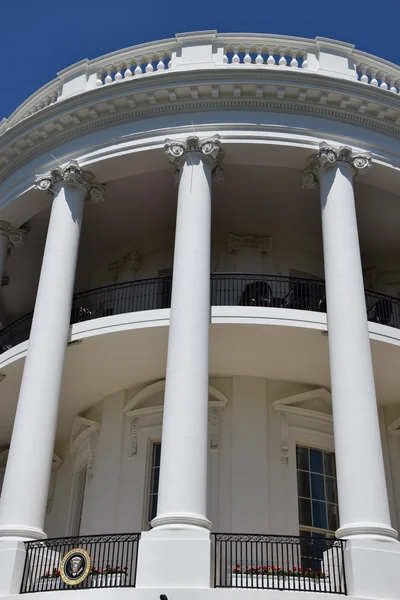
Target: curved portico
{"points": [[214, 272]]}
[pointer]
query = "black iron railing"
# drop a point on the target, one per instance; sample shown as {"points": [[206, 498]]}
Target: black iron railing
{"points": [[296, 563], [231, 289], [112, 562]]}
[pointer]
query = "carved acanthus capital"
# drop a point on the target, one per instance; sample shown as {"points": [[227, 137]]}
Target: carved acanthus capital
{"points": [[73, 175], [209, 148], [328, 156], [13, 235]]}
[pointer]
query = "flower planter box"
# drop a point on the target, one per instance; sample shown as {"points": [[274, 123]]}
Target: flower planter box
{"points": [[110, 580], [48, 584], [280, 583]]}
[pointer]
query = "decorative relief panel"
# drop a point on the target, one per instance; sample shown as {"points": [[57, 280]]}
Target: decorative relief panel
{"points": [[137, 410], [81, 446], [131, 262], [237, 242]]}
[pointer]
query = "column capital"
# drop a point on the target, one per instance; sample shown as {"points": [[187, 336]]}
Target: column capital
{"points": [[209, 149], [328, 156], [13, 235], [73, 174]]}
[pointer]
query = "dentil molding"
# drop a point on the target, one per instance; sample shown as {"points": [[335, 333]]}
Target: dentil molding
{"points": [[73, 175], [328, 156]]}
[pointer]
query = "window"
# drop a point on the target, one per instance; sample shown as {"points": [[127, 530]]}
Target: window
{"points": [[78, 501], [317, 492], [154, 479]]}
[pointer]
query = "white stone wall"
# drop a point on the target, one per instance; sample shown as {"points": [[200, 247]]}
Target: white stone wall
{"points": [[251, 488]]}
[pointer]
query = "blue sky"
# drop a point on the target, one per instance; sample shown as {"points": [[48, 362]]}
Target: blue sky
{"points": [[42, 37]]}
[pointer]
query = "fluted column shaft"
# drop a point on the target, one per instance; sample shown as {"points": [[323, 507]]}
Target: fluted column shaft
{"points": [[182, 496], [363, 501], [26, 482]]}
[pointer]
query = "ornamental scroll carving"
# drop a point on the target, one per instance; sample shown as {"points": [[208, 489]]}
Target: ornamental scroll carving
{"points": [[131, 261], [328, 156], [209, 148], [13, 235], [57, 462], [74, 175], [237, 242]]}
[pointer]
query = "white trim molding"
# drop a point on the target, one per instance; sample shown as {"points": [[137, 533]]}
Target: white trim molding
{"points": [[394, 428], [81, 447], [315, 405], [136, 410]]}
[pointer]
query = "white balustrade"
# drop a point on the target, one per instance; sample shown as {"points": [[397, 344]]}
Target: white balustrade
{"points": [[230, 50], [377, 72], [269, 56]]}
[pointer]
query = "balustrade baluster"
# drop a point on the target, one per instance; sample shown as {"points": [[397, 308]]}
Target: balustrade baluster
{"points": [[259, 57], [282, 60], [108, 78], [118, 75], [149, 66], [128, 72], [247, 57], [294, 62], [138, 69], [271, 58], [235, 57], [364, 76]]}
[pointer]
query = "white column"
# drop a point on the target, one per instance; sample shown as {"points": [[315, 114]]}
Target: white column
{"points": [[9, 238], [363, 501], [26, 482], [182, 496]]}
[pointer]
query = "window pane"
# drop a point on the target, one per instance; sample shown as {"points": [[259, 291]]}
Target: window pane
{"points": [[316, 461], [319, 514], [303, 484], [157, 454], [317, 486], [331, 490], [329, 461], [155, 479], [305, 512], [333, 518], [302, 458]]}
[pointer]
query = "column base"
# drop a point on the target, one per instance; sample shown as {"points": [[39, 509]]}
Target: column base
{"points": [[369, 531], [372, 568], [12, 560], [178, 521], [174, 558], [21, 533]]}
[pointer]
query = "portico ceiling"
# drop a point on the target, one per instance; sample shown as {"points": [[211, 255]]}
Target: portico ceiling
{"points": [[139, 212]]}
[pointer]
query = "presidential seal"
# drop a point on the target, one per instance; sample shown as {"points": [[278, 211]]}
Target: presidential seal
{"points": [[75, 566]]}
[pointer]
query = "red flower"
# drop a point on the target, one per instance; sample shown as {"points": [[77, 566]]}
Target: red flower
{"points": [[238, 566]]}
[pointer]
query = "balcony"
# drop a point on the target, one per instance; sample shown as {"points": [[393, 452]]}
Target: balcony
{"points": [[107, 561], [227, 289], [294, 563]]}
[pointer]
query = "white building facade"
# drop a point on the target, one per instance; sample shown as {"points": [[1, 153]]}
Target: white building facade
{"points": [[200, 301]]}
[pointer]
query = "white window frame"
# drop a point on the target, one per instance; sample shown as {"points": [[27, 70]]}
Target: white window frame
{"points": [[153, 437]]}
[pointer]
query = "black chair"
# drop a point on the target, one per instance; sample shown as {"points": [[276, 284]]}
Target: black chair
{"points": [[381, 312], [308, 296], [259, 293]]}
